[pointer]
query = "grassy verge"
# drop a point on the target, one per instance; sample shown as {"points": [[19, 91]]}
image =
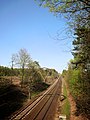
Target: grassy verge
{"points": [[65, 110]]}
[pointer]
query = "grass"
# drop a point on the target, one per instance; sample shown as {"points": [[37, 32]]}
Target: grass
{"points": [[65, 110]]}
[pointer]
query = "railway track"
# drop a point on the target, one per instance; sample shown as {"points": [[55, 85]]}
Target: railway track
{"points": [[41, 109]]}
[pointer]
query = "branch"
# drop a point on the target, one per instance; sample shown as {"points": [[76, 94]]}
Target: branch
{"points": [[87, 2]]}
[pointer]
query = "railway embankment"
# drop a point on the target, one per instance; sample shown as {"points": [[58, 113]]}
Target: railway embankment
{"points": [[13, 97], [72, 104]]}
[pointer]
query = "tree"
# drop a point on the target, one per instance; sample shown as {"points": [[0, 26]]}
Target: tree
{"points": [[35, 71], [22, 59], [66, 5], [73, 10], [33, 76]]}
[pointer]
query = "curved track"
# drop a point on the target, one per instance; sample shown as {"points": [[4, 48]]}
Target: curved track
{"points": [[43, 108]]}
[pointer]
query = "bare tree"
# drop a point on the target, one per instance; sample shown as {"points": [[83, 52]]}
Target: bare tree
{"points": [[22, 59]]}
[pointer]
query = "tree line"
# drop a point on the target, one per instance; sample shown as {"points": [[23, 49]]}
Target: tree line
{"points": [[6, 71], [28, 70]]}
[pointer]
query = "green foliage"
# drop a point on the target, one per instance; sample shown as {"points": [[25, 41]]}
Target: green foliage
{"points": [[73, 10], [64, 72], [5, 71], [82, 62], [74, 80], [79, 87], [51, 72]]}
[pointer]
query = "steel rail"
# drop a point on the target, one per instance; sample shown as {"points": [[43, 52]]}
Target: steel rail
{"points": [[42, 113], [34, 112], [22, 114]]}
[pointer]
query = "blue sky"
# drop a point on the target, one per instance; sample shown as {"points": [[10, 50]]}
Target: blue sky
{"points": [[23, 24]]}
